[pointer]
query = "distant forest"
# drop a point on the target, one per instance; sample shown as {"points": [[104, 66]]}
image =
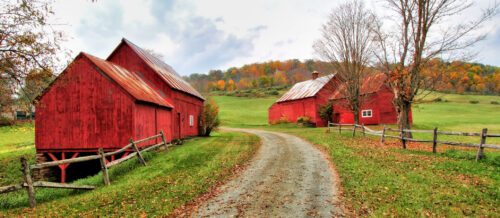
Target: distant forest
{"points": [[452, 77]]}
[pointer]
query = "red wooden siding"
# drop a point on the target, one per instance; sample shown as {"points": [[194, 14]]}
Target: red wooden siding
{"points": [[184, 103], [309, 106], [380, 102], [83, 110]]}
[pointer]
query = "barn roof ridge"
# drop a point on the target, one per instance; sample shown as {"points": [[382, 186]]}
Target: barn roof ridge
{"points": [[306, 89], [165, 71], [132, 83]]}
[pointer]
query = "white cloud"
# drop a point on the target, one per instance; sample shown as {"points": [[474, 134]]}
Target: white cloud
{"points": [[198, 35]]}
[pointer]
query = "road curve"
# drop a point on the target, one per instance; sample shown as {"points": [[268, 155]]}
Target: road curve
{"points": [[288, 177]]}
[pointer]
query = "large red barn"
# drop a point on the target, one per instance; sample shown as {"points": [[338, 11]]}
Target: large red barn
{"points": [[377, 107], [187, 102], [304, 99], [96, 104]]}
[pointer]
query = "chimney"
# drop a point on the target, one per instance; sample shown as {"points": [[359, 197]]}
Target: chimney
{"points": [[315, 75]]}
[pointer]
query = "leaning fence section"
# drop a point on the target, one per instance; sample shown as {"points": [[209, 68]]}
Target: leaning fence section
{"points": [[384, 134], [29, 184]]}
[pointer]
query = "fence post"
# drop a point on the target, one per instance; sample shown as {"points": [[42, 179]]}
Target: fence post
{"points": [[340, 128], [363, 126], [163, 139], [481, 148], [139, 155], [382, 139], [104, 168], [402, 138], [29, 182], [434, 140], [354, 130]]}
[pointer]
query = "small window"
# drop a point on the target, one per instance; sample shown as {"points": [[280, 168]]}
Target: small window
{"points": [[191, 120], [366, 113]]}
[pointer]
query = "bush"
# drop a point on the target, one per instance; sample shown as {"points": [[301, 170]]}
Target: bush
{"points": [[474, 101], [274, 92], [438, 100], [326, 112], [5, 121], [494, 102], [209, 117]]}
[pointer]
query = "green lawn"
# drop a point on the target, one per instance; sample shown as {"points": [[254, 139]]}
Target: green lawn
{"points": [[15, 138], [458, 98], [237, 111], [169, 181]]}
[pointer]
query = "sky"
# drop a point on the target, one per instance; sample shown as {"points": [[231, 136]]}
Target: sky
{"points": [[195, 36]]}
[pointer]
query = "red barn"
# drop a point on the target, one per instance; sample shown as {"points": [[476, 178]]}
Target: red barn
{"points": [[304, 99], [377, 108], [96, 104], [187, 102]]}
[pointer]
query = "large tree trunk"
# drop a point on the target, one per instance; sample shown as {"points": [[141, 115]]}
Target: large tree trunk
{"points": [[404, 118], [356, 117]]}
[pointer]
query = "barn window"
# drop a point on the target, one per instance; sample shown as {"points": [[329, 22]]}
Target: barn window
{"points": [[191, 120], [366, 113]]}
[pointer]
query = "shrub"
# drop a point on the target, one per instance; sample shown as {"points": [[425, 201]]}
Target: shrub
{"points": [[494, 102], [5, 121], [283, 119], [209, 117], [474, 101], [326, 112], [438, 100], [274, 92]]}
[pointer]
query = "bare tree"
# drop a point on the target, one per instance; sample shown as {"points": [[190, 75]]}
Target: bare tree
{"points": [[347, 42], [414, 38]]}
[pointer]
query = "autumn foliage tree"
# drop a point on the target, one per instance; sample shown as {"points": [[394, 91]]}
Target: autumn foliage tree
{"points": [[209, 117], [415, 36], [27, 40]]}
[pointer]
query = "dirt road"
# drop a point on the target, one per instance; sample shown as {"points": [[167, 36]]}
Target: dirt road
{"points": [[288, 177]]}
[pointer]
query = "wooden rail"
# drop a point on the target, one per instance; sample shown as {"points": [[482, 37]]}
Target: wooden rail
{"points": [[29, 184], [484, 134]]}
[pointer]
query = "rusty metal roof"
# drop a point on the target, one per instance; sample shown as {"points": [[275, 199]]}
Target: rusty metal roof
{"points": [[370, 85], [306, 89], [166, 72], [131, 82]]}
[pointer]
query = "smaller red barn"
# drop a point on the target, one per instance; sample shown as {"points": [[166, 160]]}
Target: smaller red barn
{"points": [[304, 99], [377, 108], [96, 104]]}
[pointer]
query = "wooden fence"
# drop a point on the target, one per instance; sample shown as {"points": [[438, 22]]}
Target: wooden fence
{"points": [[365, 130], [29, 184]]}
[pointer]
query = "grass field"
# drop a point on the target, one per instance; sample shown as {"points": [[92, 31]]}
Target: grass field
{"points": [[169, 181]]}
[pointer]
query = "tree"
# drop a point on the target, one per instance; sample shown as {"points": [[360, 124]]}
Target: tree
{"points": [[209, 117], [35, 82], [347, 42], [418, 38], [264, 81], [27, 40], [326, 112], [221, 85]]}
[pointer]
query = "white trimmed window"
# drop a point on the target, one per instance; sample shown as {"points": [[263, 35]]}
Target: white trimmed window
{"points": [[366, 113], [191, 120]]}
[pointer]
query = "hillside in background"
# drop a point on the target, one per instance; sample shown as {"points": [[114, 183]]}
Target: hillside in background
{"points": [[273, 76]]}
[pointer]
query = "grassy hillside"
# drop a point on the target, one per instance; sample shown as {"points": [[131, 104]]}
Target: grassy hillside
{"points": [[169, 181]]}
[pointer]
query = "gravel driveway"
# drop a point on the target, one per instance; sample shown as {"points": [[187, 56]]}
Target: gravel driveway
{"points": [[288, 177]]}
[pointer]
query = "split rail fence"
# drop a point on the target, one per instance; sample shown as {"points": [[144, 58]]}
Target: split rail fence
{"points": [[365, 130], [29, 184]]}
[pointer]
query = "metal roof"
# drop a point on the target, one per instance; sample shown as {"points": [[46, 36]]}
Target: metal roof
{"points": [[131, 82], [306, 89], [370, 85], [166, 72]]}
